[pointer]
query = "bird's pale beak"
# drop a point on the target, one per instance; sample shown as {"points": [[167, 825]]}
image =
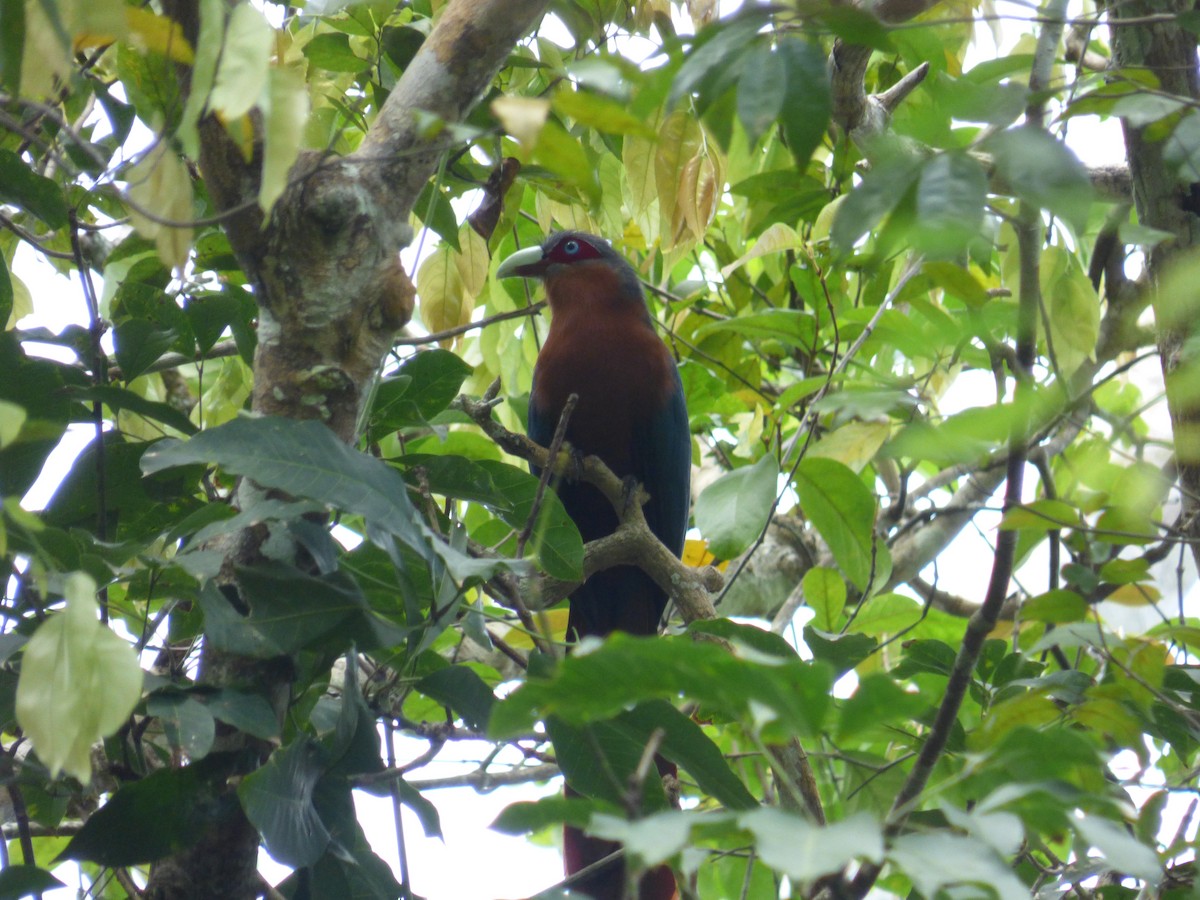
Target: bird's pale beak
{"points": [[525, 263]]}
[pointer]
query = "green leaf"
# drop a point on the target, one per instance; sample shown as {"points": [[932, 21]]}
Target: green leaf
{"points": [[139, 344], [751, 637], [246, 712], [842, 508], [284, 118], [331, 52], [842, 652], [1043, 172], [807, 104], [18, 881], [599, 682], [423, 387], [189, 726], [936, 861], [599, 112], [79, 682], [879, 192], [6, 287], [886, 614], [556, 539], [876, 703], [12, 49], [1055, 606], [117, 398], [21, 186], [292, 611], [951, 192], [1121, 850], [803, 851], [163, 813], [1040, 515], [685, 744], [795, 327], [526, 817], [278, 801], [825, 595], [597, 759], [303, 459], [733, 510], [433, 208], [461, 689], [761, 89]]}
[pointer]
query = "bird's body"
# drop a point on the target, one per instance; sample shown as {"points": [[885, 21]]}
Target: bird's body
{"points": [[630, 413]]}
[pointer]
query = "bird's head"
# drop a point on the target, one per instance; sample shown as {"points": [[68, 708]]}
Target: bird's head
{"points": [[574, 264]]}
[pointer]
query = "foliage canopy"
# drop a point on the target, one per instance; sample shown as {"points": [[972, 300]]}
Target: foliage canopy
{"points": [[903, 310]]}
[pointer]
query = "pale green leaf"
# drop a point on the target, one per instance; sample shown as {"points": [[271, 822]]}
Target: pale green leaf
{"points": [[284, 116], [776, 239], [245, 63], [12, 417], [79, 682], [732, 510], [825, 594], [804, 851], [843, 509]]}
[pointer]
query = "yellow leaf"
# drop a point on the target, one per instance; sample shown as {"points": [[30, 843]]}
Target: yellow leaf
{"points": [[776, 239], [284, 117], [854, 444], [473, 260], [679, 142], [641, 193], [444, 301], [522, 117], [1135, 595], [695, 554], [556, 619], [156, 34], [78, 684]]}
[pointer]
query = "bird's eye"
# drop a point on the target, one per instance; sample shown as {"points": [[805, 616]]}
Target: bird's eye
{"points": [[571, 247]]}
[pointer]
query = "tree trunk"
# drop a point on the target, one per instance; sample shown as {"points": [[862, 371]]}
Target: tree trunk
{"points": [[331, 295], [1165, 201]]}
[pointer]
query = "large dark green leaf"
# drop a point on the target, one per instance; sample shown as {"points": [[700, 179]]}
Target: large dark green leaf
{"points": [[600, 683], [842, 508], [599, 760], [164, 813], [807, 105], [278, 801], [461, 689], [139, 343], [304, 459], [951, 192], [25, 881], [21, 186], [556, 540], [686, 744], [761, 89], [1043, 172], [880, 191], [6, 288], [292, 611], [117, 398]]}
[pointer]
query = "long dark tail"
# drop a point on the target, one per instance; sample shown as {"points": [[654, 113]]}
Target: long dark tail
{"points": [[620, 599]]}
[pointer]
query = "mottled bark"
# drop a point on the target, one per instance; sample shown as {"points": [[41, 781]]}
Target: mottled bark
{"points": [[1164, 201]]}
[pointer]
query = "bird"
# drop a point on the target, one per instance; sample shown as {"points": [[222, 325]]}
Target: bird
{"points": [[631, 413]]}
